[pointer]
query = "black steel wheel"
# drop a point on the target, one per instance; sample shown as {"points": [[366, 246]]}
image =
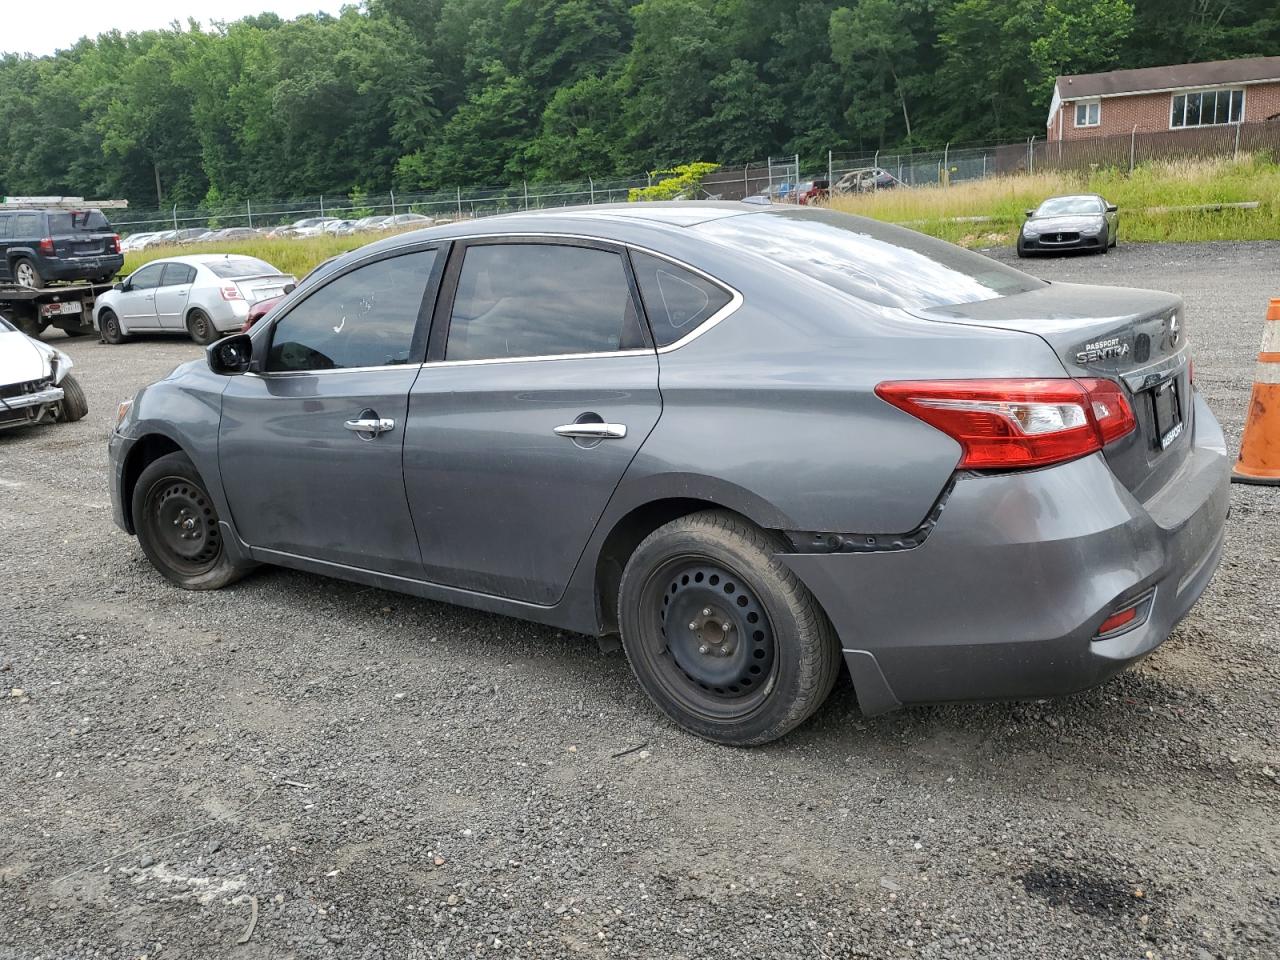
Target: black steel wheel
{"points": [[177, 525], [721, 635], [201, 327], [109, 327]]}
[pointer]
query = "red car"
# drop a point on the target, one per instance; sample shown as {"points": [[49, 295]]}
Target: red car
{"points": [[810, 191]]}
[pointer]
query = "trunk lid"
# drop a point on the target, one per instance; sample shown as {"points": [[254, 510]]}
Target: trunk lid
{"points": [[1136, 338], [254, 289]]}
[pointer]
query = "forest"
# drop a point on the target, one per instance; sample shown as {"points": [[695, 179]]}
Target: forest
{"points": [[423, 94]]}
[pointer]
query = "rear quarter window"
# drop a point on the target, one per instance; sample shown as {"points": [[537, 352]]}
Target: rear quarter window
{"points": [[877, 262], [78, 221], [232, 268]]}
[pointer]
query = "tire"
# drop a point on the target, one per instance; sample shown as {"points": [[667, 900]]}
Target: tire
{"points": [[26, 274], [724, 639], [109, 327], [105, 278], [74, 404], [201, 328], [1106, 247], [1022, 253], [177, 526]]}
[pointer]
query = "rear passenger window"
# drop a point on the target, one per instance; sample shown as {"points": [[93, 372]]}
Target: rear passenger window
{"points": [[365, 318], [27, 225], [676, 301], [177, 274], [539, 300]]}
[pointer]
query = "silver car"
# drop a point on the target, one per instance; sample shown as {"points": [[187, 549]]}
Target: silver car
{"points": [[205, 296], [763, 444]]}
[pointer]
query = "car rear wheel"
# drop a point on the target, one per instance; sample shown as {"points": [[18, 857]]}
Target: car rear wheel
{"points": [[201, 327], [177, 526], [723, 638], [74, 404], [109, 327], [26, 274]]}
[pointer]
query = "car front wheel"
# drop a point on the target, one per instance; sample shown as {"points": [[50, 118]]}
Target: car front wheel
{"points": [[109, 327], [177, 526], [723, 638], [74, 404]]}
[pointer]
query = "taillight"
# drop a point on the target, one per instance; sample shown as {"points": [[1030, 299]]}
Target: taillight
{"points": [[231, 292], [45, 246], [1012, 424], [115, 243]]}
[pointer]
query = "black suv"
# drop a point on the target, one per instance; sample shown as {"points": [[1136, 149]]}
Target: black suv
{"points": [[37, 246]]}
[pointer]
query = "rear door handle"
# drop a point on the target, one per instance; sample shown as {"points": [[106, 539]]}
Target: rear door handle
{"points": [[374, 426], [593, 431]]}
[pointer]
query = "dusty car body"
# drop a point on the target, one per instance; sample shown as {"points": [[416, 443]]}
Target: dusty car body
{"points": [[36, 385], [766, 443]]}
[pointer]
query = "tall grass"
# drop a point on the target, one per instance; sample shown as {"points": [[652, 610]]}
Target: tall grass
{"points": [[295, 255], [1182, 183]]}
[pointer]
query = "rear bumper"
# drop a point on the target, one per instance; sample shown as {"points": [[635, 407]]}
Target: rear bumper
{"points": [[29, 407], [1004, 597], [117, 453], [81, 268]]}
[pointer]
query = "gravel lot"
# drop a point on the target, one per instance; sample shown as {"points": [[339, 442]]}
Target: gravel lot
{"points": [[298, 767]]}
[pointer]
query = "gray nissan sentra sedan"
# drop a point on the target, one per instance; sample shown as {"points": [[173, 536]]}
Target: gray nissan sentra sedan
{"points": [[757, 442]]}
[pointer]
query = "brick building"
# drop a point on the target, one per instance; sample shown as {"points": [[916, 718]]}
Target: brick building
{"points": [[1188, 96]]}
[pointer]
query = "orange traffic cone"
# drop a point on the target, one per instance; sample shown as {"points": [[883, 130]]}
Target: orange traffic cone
{"points": [[1260, 449]]}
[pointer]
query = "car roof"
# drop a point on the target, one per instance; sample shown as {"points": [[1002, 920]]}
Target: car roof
{"points": [[201, 259], [1075, 196]]}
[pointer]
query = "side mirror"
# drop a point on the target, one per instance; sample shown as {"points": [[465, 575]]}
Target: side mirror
{"points": [[289, 288], [1031, 213], [1112, 208], [230, 355], [118, 287]]}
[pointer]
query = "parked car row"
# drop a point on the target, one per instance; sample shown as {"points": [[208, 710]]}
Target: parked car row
{"points": [[307, 227]]}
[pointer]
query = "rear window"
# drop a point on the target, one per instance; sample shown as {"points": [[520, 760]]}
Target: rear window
{"points": [[231, 268], [873, 261], [78, 221]]}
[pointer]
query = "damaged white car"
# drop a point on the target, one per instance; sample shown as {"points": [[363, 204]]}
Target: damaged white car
{"points": [[36, 385]]}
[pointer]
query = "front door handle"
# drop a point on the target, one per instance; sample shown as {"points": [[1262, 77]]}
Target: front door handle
{"points": [[372, 425], [593, 431]]}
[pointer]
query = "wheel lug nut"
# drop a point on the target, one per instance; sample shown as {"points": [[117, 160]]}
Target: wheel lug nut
{"points": [[704, 649], [693, 625], [706, 611], [724, 627]]}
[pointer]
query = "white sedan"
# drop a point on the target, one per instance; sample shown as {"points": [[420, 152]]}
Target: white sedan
{"points": [[205, 296], [36, 384]]}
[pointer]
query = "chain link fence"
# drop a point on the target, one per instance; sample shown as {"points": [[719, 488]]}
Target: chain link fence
{"points": [[774, 177]]}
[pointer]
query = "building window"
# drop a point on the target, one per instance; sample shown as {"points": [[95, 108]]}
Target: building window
{"points": [[1207, 108], [1088, 113]]}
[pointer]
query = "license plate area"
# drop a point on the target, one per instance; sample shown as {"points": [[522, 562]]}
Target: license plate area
{"points": [[1167, 411], [61, 309]]}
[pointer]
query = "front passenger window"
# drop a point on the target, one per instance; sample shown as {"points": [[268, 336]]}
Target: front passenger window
{"points": [[365, 318]]}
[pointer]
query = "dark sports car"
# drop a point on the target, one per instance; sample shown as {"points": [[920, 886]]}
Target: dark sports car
{"points": [[1085, 222]]}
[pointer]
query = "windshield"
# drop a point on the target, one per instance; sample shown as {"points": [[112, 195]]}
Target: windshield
{"points": [[78, 221], [873, 261], [231, 268], [1069, 206]]}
